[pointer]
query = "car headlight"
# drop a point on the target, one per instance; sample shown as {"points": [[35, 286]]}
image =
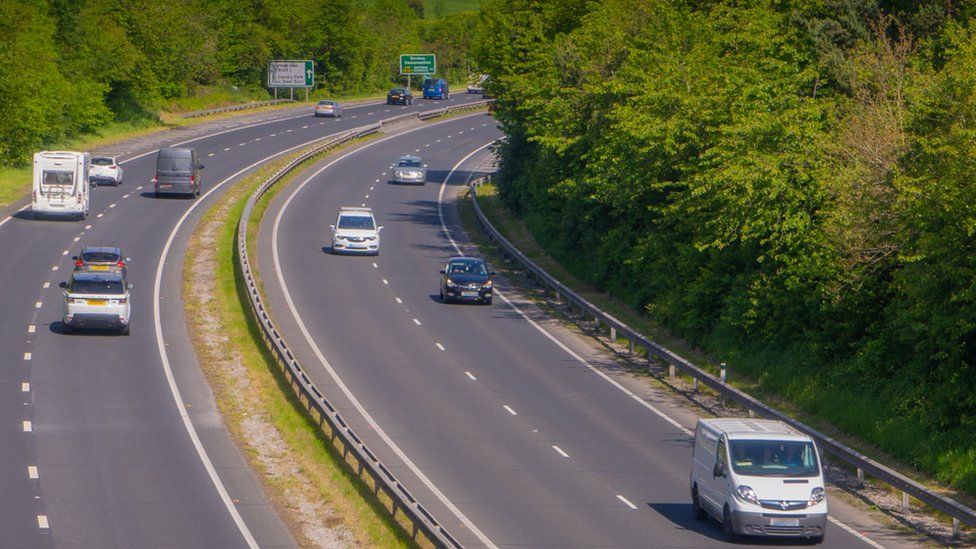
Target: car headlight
{"points": [[816, 496], [487, 285], [450, 283], [747, 493], [370, 238]]}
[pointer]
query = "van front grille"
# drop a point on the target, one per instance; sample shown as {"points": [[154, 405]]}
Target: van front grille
{"points": [[781, 505]]}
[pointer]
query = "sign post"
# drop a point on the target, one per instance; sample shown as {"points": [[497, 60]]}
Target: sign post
{"points": [[291, 75], [417, 63]]}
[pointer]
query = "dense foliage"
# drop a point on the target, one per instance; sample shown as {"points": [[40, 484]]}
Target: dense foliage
{"points": [[70, 66], [787, 184]]}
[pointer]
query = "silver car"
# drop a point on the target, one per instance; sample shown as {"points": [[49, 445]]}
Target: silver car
{"points": [[96, 300], [410, 169]]}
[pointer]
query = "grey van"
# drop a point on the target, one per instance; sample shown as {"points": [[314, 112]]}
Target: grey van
{"points": [[178, 172]]}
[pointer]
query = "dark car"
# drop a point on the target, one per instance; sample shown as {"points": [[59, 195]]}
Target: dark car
{"points": [[466, 279], [436, 88], [105, 259], [178, 172], [399, 96]]}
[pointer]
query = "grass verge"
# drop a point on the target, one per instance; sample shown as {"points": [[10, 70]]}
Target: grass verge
{"points": [[928, 521], [318, 496]]}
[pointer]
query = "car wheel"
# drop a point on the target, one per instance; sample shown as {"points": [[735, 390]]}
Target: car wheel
{"points": [[67, 328], [816, 540], [727, 530], [488, 301], [696, 509], [124, 330]]}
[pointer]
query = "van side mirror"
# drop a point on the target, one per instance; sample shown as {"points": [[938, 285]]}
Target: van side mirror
{"points": [[128, 259], [380, 228], [202, 167], [718, 470], [442, 271], [332, 227], [62, 284], [74, 257], [131, 286]]}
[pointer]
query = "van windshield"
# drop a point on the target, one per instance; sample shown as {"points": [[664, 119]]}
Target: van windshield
{"points": [[174, 164], [774, 458]]}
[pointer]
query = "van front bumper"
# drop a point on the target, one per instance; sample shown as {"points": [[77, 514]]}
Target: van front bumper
{"points": [[779, 524]]}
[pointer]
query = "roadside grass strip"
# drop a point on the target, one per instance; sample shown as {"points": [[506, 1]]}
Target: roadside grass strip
{"points": [[314, 488]]}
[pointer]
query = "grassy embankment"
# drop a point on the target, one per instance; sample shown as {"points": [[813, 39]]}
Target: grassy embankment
{"points": [[302, 472]]}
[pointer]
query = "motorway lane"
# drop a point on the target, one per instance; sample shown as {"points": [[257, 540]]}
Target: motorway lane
{"points": [[531, 446], [114, 462]]}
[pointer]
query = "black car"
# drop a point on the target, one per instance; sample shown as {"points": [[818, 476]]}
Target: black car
{"points": [[399, 96], [466, 279]]}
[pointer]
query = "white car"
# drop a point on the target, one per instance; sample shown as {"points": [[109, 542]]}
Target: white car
{"points": [[96, 300], [355, 231], [104, 169], [410, 169]]}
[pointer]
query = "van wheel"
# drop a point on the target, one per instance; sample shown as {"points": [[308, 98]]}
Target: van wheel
{"points": [[727, 530], [124, 330], [696, 509], [816, 540]]}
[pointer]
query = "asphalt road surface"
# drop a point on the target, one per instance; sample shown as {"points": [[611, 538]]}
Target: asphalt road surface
{"points": [[494, 416], [115, 441]]}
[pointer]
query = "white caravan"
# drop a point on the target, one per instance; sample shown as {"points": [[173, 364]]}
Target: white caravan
{"points": [[61, 184], [758, 477]]}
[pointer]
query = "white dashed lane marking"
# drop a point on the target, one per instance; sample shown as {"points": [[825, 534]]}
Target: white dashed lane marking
{"points": [[42, 522], [627, 502], [27, 426], [32, 472], [441, 347], [226, 148], [366, 197], [211, 154], [65, 252], [38, 305], [417, 322], [89, 226], [77, 238], [99, 215], [25, 387], [31, 329], [47, 285], [375, 266], [111, 205], [385, 281], [560, 451], [509, 409], [54, 268], [241, 144], [398, 300], [27, 356], [470, 376]]}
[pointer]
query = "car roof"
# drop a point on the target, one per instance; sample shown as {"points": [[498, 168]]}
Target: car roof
{"points": [[97, 277], [112, 249], [753, 429]]}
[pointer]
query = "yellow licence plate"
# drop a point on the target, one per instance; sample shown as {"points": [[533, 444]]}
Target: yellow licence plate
{"points": [[97, 301], [99, 267]]}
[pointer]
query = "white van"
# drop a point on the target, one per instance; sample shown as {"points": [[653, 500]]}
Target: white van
{"points": [[61, 183], [758, 477]]}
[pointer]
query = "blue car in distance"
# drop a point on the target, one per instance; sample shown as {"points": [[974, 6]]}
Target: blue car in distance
{"points": [[436, 88]]}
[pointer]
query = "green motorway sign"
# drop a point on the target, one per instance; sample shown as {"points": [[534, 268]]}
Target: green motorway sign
{"points": [[423, 63], [291, 74]]}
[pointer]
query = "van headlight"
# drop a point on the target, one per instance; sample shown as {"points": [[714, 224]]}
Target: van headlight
{"points": [[747, 493], [816, 496]]}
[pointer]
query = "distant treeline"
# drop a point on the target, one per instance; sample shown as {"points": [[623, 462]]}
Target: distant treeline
{"points": [[790, 185], [70, 66]]}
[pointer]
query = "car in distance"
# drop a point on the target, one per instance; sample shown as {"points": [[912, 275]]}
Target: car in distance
{"points": [[104, 169], [436, 88], [758, 477], [178, 172], [466, 279], [101, 259], [96, 300], [477, 84], [399, 96], [327, 107], [410, 169], [355, 231]]}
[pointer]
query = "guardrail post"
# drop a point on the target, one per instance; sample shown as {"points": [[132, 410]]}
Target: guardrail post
{"points": [[613, 334], [955, 528], [630, 348], [671, 373], [752, 413], [694, 385], [860, 477], [723, 370], [905, 507]]}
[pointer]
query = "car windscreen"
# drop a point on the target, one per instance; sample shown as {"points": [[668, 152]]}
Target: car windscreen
{"points": [[361, 222], [409, 163], [398, 91], [99, 257], [326, 103], [774, 458], [468, 267], [102, 162], [112, 287], [174, 164]]}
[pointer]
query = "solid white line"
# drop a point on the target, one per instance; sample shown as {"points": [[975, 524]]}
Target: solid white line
{"points": [[164, 356], [31, 329], [855, 533], [42, 522], [417, 322], [439, 346], [328, 367], [28, 427], [470, 375], [32, 472], [509, 409], [627, 502], [27, 356], [25, 387], [560, 451]]}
